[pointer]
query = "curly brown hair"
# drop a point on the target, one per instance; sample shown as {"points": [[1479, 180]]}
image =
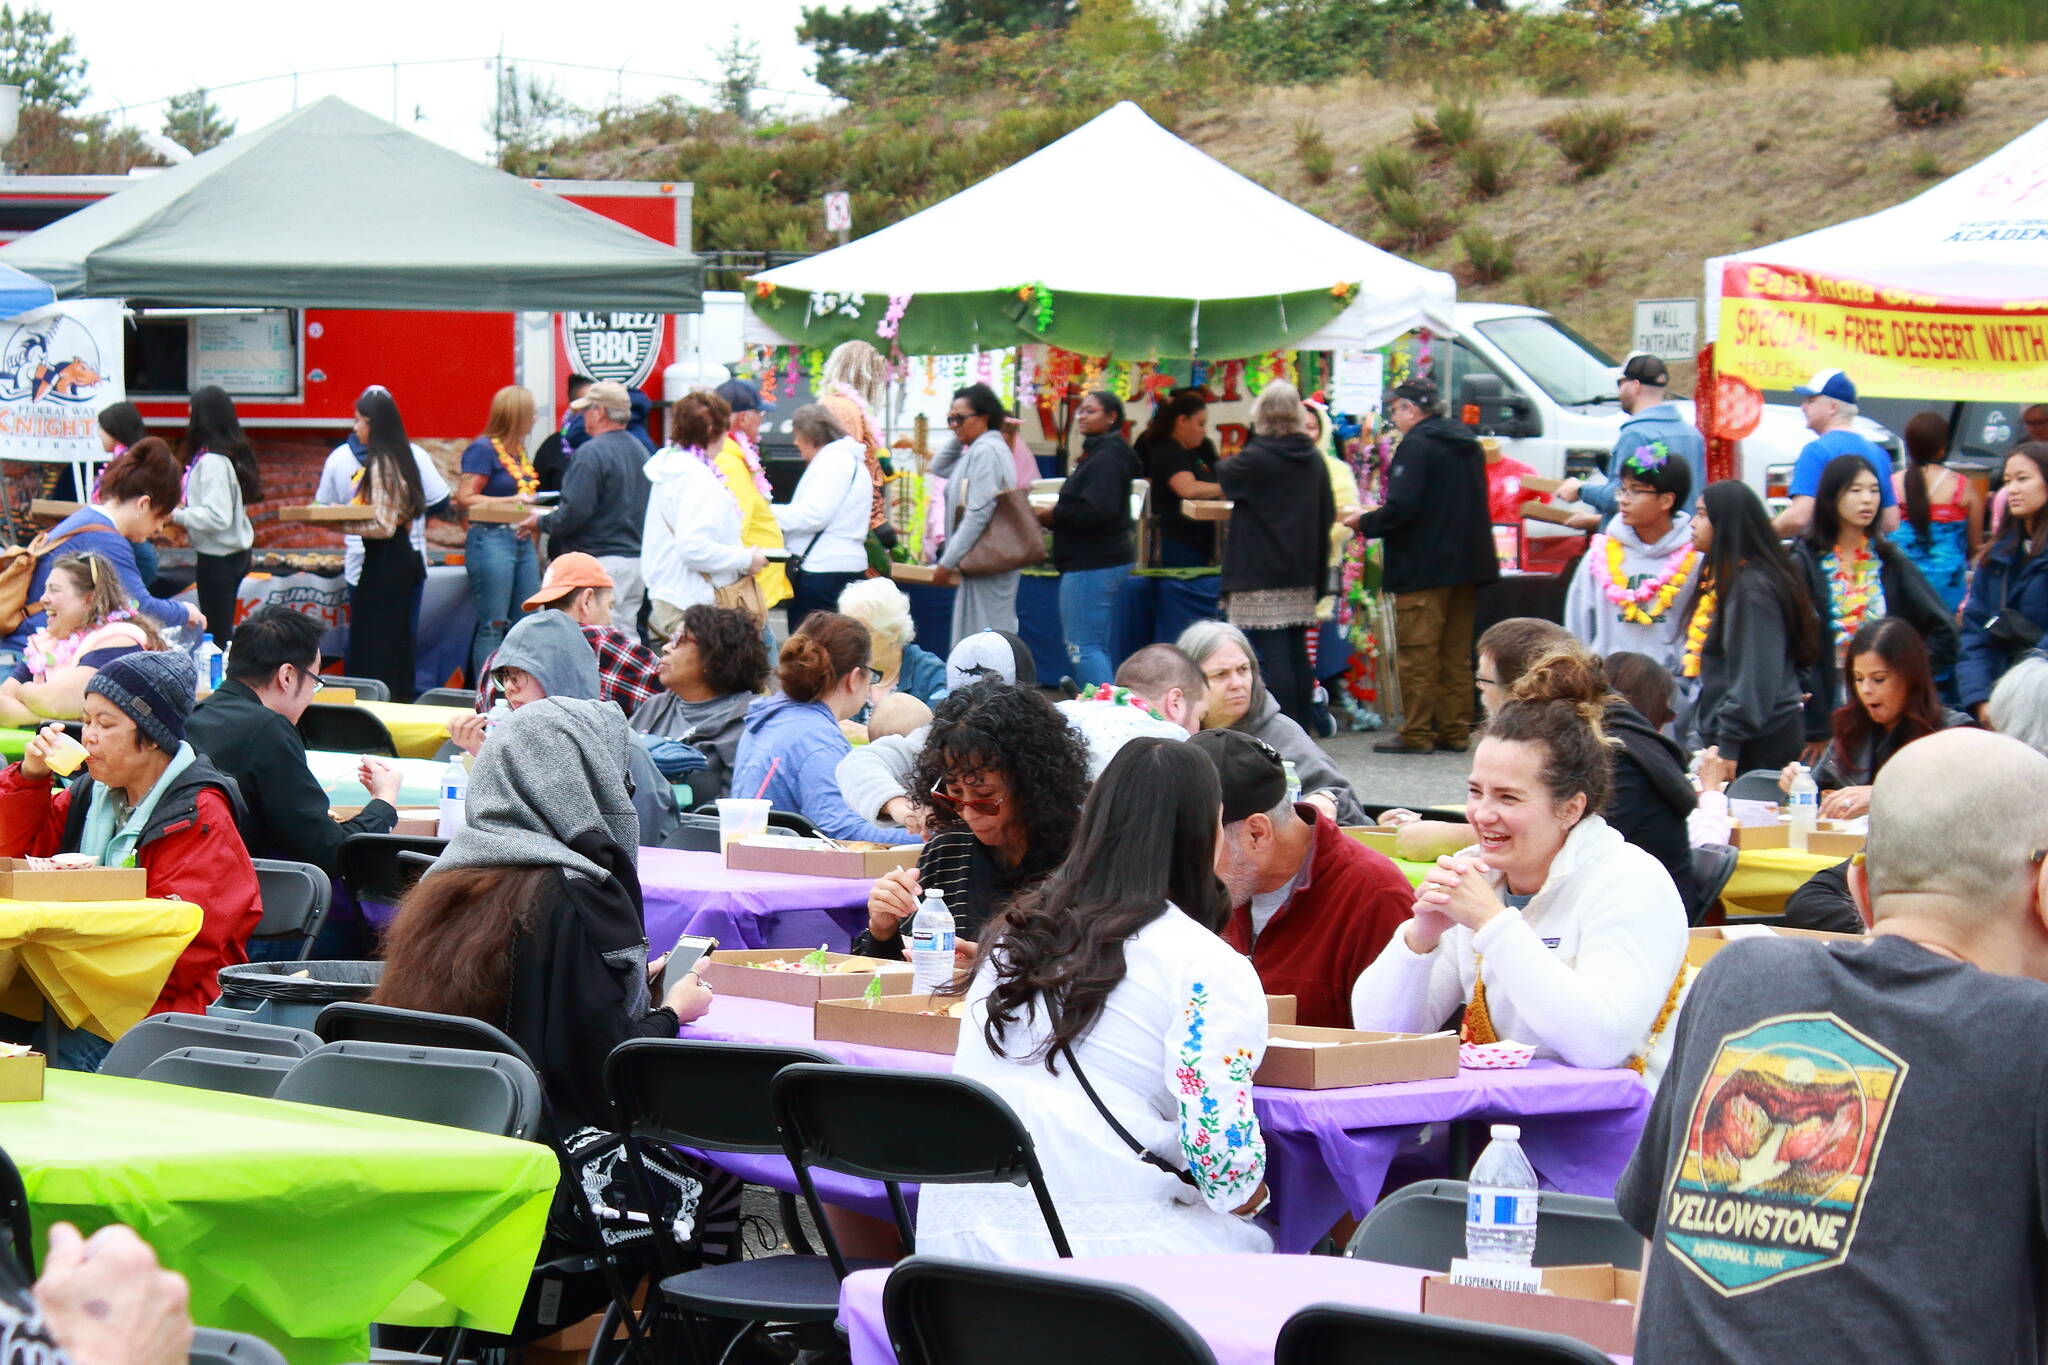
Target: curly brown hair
{"points": [[992, 727], [729, 648]]}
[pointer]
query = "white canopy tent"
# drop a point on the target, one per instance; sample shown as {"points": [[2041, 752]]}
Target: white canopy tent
{"points": [[1185, 258]]}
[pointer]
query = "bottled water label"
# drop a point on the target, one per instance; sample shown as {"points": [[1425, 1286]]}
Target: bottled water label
{"points": [[1495, 1208], [929, 941]]}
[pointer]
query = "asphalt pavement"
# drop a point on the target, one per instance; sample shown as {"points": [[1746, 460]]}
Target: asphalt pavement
{"points": [[1412, 780]]}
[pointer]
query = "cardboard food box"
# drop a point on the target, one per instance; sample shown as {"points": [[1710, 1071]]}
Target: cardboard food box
{"points": [[914, 573], [1353, 1057], [901, 1021], [500, 513], [344, 512], [51, 509], [1824, 842], [1532, 510], [1537, 483], [1702, 943], [736, 971], [335, 696], [18, 882], [1280, 1009], [21, 1078], [1581, 1303], [1206, 509], [817, 857]]}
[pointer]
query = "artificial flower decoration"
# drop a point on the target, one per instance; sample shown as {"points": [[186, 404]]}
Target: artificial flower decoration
{"points": [[1647, 602]]}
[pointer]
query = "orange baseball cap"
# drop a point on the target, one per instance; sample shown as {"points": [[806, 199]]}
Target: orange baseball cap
{"points": [[565, 575]]}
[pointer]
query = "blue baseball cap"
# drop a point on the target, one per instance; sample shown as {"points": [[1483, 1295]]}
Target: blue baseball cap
{"points": [[1828, 384]]}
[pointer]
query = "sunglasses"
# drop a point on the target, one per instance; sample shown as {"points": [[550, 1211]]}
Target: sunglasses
{"points": [[944, 800], [954, 419]]}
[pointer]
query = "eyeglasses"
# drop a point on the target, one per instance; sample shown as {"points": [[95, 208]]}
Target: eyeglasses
{"points": [[874, 677], [954, 419], [960, 805], [1487, 682]]}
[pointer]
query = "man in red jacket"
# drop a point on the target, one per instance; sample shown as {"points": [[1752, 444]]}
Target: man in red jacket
{"points": [[1310, 905], [151, 801]]}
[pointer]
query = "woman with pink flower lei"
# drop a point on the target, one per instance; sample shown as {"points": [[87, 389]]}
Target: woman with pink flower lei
{"points": [[90, 624], [1626, 592]]}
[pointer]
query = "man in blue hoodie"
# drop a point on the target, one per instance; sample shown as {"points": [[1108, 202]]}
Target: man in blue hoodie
{"points": [[1650, 420]]}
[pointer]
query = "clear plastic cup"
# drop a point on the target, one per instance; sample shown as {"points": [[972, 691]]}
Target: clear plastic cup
{"points": [[66, 754], [739, 817]]}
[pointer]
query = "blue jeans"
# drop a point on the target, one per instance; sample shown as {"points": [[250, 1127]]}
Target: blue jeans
{"points": [[1088, 601], [503, 573], [67, 1048]]}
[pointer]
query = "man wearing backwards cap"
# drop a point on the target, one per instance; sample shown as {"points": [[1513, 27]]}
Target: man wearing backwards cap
{"points": [[149, 800], [739, 464], [628, 672], [1311, 906], [1829, 402], [1651, 421], [1439, 549]]}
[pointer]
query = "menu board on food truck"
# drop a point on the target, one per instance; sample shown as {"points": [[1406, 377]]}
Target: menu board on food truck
{"points": [[252, 353]]}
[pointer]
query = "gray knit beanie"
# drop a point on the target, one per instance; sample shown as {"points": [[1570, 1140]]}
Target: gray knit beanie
{"points": [[154, 689]]}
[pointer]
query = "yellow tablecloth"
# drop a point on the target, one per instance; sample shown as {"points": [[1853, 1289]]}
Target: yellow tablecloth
{"points": [[101, 964], [418, 731], [1764, 877]]}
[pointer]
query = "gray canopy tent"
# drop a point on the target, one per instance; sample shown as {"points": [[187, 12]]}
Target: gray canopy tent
{"points": [[332, 207]]}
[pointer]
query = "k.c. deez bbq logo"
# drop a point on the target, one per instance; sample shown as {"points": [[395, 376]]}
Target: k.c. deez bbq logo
{"points": [[1780, 1150], [619, 347]]}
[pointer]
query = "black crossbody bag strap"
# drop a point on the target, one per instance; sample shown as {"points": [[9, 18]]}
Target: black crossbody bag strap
{"points": [[1144, 1153]]}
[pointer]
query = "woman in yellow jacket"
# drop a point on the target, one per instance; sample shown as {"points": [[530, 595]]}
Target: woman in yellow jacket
{"points": [[739, 464]]}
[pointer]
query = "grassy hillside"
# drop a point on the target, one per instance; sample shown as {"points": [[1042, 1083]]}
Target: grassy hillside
{"points": [[1710, 163]]}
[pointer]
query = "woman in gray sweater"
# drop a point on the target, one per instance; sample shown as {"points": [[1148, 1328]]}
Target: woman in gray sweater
{"points": [[977, 466], [220, 482]]}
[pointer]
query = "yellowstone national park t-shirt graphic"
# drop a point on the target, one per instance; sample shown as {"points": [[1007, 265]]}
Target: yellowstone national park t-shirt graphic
{"points": [[1786, 1134]]}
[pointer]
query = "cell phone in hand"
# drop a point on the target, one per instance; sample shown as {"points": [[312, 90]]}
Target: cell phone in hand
{"points": [[683, 959]]}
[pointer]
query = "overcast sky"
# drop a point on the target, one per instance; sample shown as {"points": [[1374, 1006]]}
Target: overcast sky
{"points": [[143, 51]]}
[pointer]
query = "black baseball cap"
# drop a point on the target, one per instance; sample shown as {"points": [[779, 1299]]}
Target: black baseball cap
{"points": [[740, 396], [1253, 778], [1422, 393], [1646, 369]]}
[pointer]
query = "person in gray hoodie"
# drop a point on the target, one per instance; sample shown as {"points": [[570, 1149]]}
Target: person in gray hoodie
{"points": [[545, 655], [1630, 590]]}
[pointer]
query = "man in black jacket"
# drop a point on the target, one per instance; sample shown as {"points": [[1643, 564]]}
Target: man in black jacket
{"points": [[248, 728], [1439, 549]]}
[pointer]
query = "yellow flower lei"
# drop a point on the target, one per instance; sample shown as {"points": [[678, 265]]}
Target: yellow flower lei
{"points": [[524, 477], [1664, 591], [1696, 635]]}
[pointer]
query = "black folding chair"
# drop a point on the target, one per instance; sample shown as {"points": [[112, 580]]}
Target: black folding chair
{"points": [[346, 730], [373, 871], [786, 820], [211, 1346], [366, 689], [1337, 1334], [164, 1033], [1423, 1225], [904, 1127], [715, 1096], [1713, 865], [295, 899], [485, 1092], [1758, 784], [217, 1068], [447, 696], [696, 834], [21, 1234], [941, 1312]]}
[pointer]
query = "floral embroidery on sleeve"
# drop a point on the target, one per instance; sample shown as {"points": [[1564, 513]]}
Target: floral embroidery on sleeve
{"points": [[1219, 1134]]}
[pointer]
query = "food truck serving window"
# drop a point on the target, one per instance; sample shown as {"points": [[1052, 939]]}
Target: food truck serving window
{"points": [[250, 352]]}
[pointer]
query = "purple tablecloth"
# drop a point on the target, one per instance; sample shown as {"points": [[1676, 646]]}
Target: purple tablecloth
{"points": [[1235, 1303], [696, 893], [1327, 1151]]}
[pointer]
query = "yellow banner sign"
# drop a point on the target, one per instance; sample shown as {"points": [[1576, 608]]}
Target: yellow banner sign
{"points": [[1780, 325]]}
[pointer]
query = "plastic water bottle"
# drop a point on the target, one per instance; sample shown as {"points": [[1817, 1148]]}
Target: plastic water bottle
{"points": [[495, 717], [454, 799], [1803, 811], [931, 945], [1293, 780], [208, 661], [1500, 1202]]}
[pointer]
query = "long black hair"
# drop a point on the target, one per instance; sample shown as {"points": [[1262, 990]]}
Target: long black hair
{"points": [[1926, 438], [1744, 542], [388, 458], [1178, 404], [2010, 532], [215, 427], [1826, 527], [123, 422], [1147, 836], [1894, 640]]}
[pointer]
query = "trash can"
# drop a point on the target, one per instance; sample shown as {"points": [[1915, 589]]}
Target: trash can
{"points": [[275, 993]]}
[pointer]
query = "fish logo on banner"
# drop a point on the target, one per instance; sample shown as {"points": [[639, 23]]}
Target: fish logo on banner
{"points": [[59, 367], [1780, 1150], [619, 347], [49, 357]]}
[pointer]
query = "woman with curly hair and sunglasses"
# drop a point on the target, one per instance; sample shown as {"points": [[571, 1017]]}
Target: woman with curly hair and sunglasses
{"points": [[1004, 777]]}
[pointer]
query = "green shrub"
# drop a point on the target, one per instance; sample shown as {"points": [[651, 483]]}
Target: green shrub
{"points": [[1455, 123], [1411, 220], [1489, 258], [1924, 100], [1591, 139], [1587, 266], [1925, 165], [1313, 151], [1388, 170], [1490, 164]]}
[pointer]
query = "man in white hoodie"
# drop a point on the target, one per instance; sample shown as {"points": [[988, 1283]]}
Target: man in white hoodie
{"points": [[1630, 590]]}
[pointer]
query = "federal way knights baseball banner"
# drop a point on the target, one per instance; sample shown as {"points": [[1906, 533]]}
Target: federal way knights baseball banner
{"points": [[59, 366]]}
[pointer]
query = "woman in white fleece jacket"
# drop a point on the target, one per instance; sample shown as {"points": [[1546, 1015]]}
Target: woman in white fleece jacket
{"points": [[690, 545], [1552, 930], [220, 482]]}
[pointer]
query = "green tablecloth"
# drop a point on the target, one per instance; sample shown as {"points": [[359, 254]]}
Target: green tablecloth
{"points": [[300, 1224], [13, 742]]}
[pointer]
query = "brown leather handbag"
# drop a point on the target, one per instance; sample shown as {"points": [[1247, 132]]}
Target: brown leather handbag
{"points": [[1012, 540]]}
